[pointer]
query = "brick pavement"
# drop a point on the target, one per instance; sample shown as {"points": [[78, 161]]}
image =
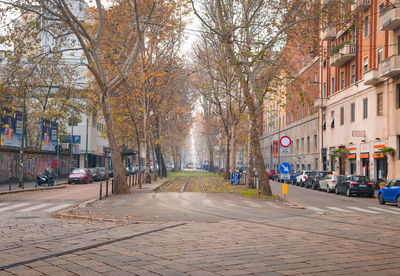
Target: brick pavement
{"points": [[294, 244]]}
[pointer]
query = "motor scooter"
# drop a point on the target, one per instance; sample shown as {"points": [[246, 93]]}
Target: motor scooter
{"points": [[45, 179]]}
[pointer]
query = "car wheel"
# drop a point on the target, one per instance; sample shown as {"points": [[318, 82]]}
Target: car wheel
{"points": [[328, 189], [69, 182], [380, 199], [398, 201], [313, 186], [336, 190], [371, 195], [348, 193]]}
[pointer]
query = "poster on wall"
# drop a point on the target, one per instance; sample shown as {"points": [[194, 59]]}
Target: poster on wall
{"points": [[49, 136], [11, 128], [275, 149]]}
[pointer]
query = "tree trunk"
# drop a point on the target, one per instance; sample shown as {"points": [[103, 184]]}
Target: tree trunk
{"points": [[154, 160], [250, 164], [210, 155], [227, 159], [120, 182], [233, 147]]}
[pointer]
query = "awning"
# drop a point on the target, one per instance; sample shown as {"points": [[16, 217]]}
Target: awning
{"points": [[351, 156], [377, 155], [364, 155]]}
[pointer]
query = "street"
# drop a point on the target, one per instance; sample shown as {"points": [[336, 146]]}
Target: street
{"points": [[197, 233]]}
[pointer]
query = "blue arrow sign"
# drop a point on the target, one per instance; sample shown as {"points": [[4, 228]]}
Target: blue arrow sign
{"points": [[285, 168]]}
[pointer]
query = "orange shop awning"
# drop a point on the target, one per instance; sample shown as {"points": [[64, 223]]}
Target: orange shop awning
{"points": [[364, 155], [377, 155], [351, 156]]}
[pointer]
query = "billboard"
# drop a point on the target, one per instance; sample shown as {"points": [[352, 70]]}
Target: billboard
{"points": [[49, 135], [10, 128], [274, 148]]}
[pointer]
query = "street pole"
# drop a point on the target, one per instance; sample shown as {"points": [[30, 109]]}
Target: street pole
{"points": [[22, 146], [58, 154], [87, 141], [279, 138], [72, 131]]}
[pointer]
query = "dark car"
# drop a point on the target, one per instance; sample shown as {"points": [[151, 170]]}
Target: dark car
{"points": [[103, 173], [314, 178], [80, 176], [111, 173], [390, 193], [293, 176], [355, 184], [95, 174]]}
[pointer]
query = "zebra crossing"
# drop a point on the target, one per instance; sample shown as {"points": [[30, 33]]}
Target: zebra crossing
{"points": [[354, 210], [21, 207]]}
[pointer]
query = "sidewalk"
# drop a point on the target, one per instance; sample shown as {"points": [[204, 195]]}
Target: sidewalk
{"points": [[28, 186]]}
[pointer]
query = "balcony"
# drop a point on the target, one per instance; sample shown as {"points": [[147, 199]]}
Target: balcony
{"points": [[390, 20], [345, 54], [360, 5], [320, 102], [390, 67], [329, 33], [372, 77]]}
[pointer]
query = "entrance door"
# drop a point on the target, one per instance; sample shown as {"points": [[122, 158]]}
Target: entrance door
{"points": [[365, 167], [379, 168], [353, 166]]}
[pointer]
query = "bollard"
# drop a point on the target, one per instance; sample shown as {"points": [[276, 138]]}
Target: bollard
{"points": [[101, 190], [106, 188], [112, 186]]}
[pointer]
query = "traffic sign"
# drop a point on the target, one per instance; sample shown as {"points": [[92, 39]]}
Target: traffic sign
{"points": [[285, 150], [285, 168], [285, 141]]}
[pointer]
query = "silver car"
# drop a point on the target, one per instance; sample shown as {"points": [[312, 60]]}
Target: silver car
{"points": [[328, 183]]}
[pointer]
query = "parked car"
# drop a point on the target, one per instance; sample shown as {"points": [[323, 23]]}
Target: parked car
{"points": [[390, 193], [329, 181], [355, 184], [95, 174], [80, 176], [270, 173], [301, 177], [111, 173], [314, 178], [103, 173]]}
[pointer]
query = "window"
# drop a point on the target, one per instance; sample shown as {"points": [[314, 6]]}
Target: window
{"points": [[353, 73], [365, 108], [380, 104], [342, 80], [380, 55], [333, 85], [302, 111], [302, 144], [298, 113], [297, 145], [366, 26], [308, 143], [315, 142], [381, 8], [398, 147], [332, 119], [316, 77], [365, 66], [398, 45], [353, 112], [324, 89], [398, 96], [341, 115]]}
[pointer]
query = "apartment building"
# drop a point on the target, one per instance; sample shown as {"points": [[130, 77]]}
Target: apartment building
{"points": [[360, 104], [293, 114]]}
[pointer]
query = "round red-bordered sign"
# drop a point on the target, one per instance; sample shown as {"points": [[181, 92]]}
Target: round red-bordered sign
{"points": [[285, 141]]}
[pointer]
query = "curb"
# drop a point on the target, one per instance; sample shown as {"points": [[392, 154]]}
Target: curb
{"points": [[61, 186]]}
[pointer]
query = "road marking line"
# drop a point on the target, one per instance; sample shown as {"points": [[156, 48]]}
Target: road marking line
{"points": [[14, 206], [340, 210], [34, 207], [363, 210], [58, 207], [316, 209], [384, 210]]}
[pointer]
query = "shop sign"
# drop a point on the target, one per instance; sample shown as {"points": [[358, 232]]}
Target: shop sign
{"points": [[365, 147], [378, 145], [352, 149], [358, 133]]}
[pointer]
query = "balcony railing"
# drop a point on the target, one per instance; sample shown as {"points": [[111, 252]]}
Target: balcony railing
{"points": [[329, 33], [390, 20], [390, 67], [360, 5], [372, 77], [345, 54]]}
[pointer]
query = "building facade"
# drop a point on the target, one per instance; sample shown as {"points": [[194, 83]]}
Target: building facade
{"points": [[360, 104]]}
